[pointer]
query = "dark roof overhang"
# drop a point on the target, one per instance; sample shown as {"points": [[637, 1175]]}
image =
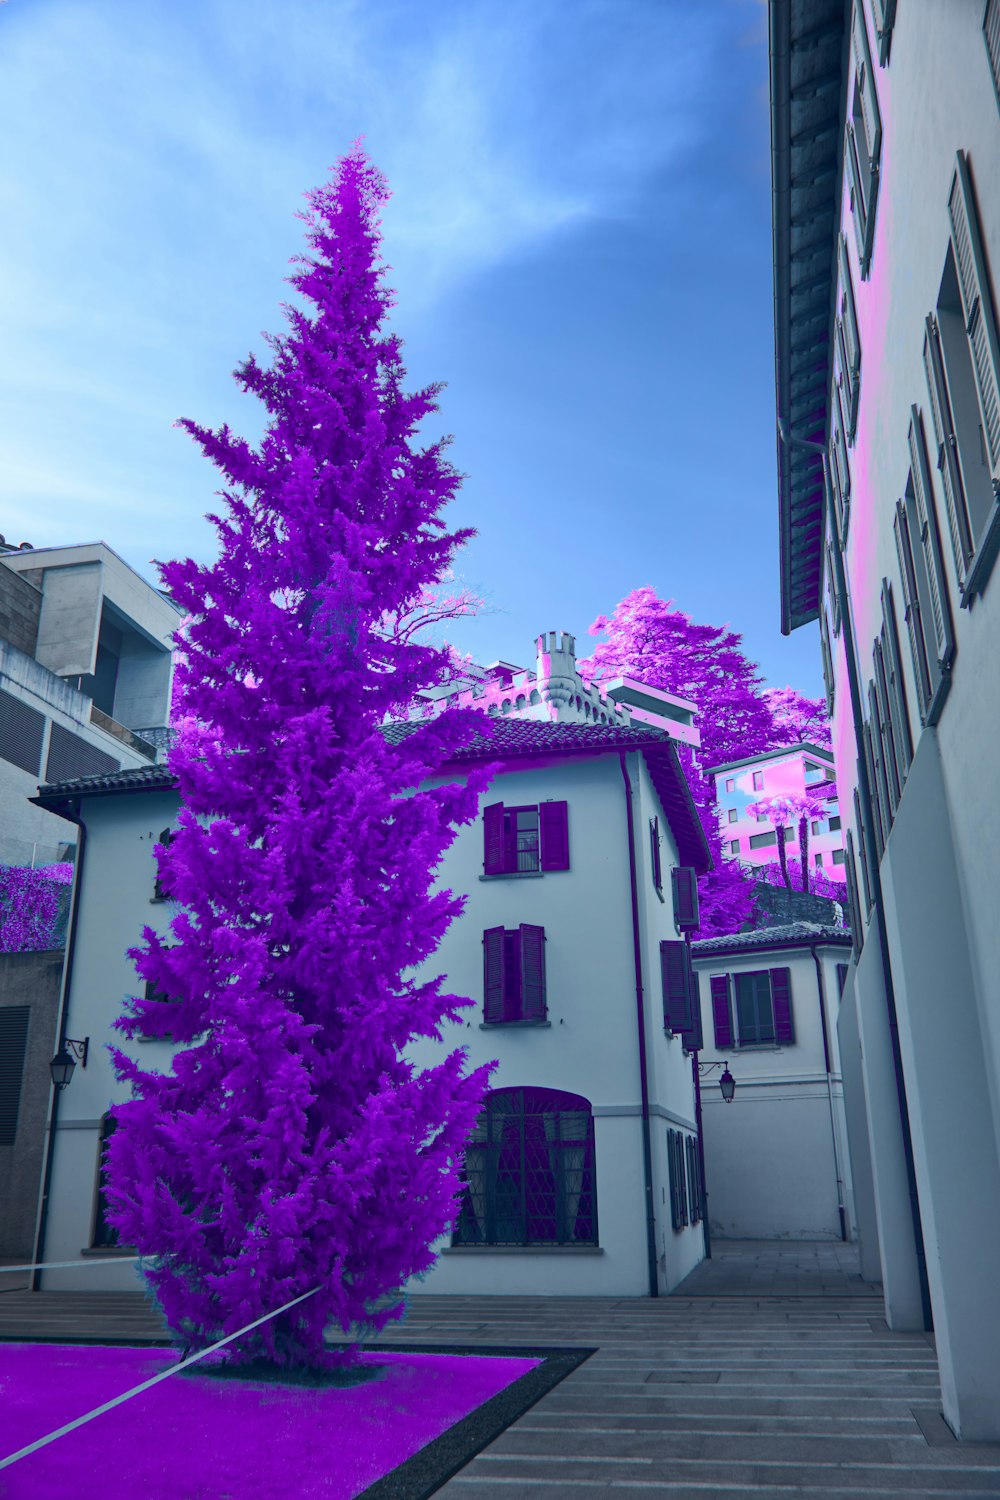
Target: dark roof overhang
{"points": [[808, 52]]}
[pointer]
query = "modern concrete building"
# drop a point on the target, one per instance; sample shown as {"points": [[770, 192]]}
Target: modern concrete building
{"points": [[776, 1162], [583, 1177], [886, 220], [794, 770], [85, 671]]}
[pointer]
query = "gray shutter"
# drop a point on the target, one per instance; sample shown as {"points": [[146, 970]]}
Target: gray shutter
{"points": [[684, 888], [895, 690], [930, 542], [911, 609], [947, 451], [654, 853], [21, 731], [841, 466], [850, 871], [826, 657], [849, 338], [883, 14], [871, 739], [722, 1012], [834, 593], [13, 1043], [863, 856], [675, 974], [870, 112], [675, 1191], [532, 949], [887, 740], [493, 974], [991, 36], [977, 304]]}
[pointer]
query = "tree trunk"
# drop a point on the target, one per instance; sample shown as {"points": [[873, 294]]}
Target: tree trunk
{"points": [[804, 851], [782, 857]]}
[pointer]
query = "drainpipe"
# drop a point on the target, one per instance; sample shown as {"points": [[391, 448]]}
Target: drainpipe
{"points": [[640, 1010], [821, 991], [867, 818], [38, 1254]]}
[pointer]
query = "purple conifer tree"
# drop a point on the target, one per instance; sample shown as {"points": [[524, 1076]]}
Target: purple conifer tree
{"points": [[290, 1145]]}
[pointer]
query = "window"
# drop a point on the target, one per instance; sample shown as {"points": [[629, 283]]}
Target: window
{"points": [[528, 1174], [818, 861], [840, 469], [763, 840], [815, 826], [165, 839], [833, 824], [13, 1044], [730, 783], [654, 851], [734, 846], [891, 686], [676, 1157], [962, 363], [514, 974], [863, 146], [525, 840], [862, 854], [838, 856], [883, 14], [758, 781], [21, 731], [925, 593], [848, 343], [752, 1010], [104, 1234], [732, 815]]}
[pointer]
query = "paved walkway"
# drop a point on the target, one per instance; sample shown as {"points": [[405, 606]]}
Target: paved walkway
{"points": [[726, 1389]]}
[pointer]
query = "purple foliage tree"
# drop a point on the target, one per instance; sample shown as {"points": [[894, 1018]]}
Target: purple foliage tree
{"points": [[291, 1146], [29, 906], [796, 718], [647, 638]]}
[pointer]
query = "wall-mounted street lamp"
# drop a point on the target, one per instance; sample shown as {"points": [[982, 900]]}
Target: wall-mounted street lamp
{"points": [[727, 1083], [62, 1065]]}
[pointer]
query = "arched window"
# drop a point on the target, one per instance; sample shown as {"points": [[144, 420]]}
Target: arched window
{"points": [[529, 1171], [505, 706], [104, 1233], [521, 701], [535, 696]]}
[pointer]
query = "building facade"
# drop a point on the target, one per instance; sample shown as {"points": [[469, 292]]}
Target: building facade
{"points": [[794, 770], [776, 1158], [583, 1176], [886, 217]]}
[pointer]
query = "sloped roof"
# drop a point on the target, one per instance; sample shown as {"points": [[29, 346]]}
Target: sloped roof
{"points": [[510, 737], [788, 935]]}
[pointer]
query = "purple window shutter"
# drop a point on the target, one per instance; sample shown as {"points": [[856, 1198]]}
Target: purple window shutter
{"points": [[554, 827], [722, 1013], [493, 849], [493, 974], [674, 969], [532, 972], [693, 1037], [685, 884], [781, 996]]}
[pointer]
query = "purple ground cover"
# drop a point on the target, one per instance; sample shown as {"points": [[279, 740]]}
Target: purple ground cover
{"points": [[200, 1437]]}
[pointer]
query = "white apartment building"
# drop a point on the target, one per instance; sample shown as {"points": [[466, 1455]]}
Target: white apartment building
{"points": [[886, 221]]}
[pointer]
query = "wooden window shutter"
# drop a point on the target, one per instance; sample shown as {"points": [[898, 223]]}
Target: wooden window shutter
{"points": [[675, 1199], [883, 14], [947, 452], [685, 893], [675, 971], [850, 339], [977, 305], [834, 591], [850, 871], [870, 113], [911, 609], [722, 1012], [895, 689], [692, 1037], [884, 729], [654, 853], [930, 542], [838, 444], [863, 856], [13, 1044], [841, 978], [781, 999], [991, 36], [493, 974], [826, 659], [682, 1177], [532, 972], [694, 1178], [494, 862], [553, 819]]}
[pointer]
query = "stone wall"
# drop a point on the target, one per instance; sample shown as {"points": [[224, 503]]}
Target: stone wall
{"points": [[20, 607], [776, 905], [31, 979]]}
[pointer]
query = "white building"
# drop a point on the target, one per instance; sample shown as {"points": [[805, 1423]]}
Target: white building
{"points": [[793, 770], [570, 948], [886, 217], [776, 1160]]}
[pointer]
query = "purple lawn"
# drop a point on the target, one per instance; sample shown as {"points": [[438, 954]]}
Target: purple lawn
{"points": [[202, 1437]]}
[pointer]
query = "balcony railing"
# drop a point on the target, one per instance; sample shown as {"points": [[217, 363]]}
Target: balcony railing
{"points": [[125, 736]]}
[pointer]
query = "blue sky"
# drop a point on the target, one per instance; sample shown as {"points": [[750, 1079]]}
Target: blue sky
{"points": [[580, 242]]}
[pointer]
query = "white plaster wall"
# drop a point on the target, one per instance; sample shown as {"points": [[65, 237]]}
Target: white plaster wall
{"points": [[770, 1156]]}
